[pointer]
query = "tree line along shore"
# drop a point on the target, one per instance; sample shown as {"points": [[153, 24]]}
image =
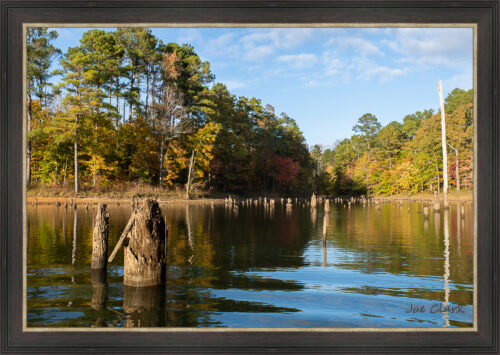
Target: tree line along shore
{"points": [[124, 108]]}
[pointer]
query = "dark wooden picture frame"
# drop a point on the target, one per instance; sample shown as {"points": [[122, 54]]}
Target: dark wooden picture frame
{"points": [[484, 14]]}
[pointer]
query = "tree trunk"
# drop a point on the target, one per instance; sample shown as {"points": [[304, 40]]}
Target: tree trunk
{"points": [[76, 153], [443, 143], [28, 149], [457, 170], [162, 144], [145, 253], [100, 238], [132, 81], [147, 96], [190, 171]]}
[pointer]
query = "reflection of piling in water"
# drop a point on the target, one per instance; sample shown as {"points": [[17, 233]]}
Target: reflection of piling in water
{"points": [[145, 306], [99, 288], [426, 212], [144, 255], [75, 227], [324, 253], [446, 275], [437, 222], [326, 220], [100, 238], [99, 294], [313, 216]]}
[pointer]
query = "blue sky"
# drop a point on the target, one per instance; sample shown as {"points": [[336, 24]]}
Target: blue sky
{"points": [[326, 78]]}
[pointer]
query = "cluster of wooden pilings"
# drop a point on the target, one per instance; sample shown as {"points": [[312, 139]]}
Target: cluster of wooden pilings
{"points": [[144, 241]]}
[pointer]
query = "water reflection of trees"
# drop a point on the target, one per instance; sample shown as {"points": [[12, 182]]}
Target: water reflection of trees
{"points": [[214, 248], [370, 246], [210, 249]]}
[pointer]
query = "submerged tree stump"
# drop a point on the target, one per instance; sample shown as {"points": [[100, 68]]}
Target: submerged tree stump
{"points": [[100, 238], [313, 201], [145, 254]]}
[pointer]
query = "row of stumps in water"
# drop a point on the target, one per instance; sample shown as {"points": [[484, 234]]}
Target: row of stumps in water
{"points": [[145, 236]]}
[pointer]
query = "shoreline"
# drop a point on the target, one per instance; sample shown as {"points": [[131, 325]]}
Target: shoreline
{"points": [[49, 200], [163, 199]]}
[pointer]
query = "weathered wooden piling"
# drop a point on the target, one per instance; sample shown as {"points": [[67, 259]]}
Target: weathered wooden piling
{"points": [[327, 205], [145, 254], [100, 238], [462, 211], [313, 201], [289, 205]]}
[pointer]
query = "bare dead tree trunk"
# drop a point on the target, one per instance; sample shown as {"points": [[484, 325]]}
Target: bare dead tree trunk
{"points": [[28, 149], [147, 96], [162, 148], [443, 143], [190, 171], [76, 153], [100, 238], [145, 253]]}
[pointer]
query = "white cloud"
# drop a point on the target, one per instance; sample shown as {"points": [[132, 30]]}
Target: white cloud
{"points": [[433, 46], [332, 63], [260, 44], [224, 45], [463, 81], [298, 61], [234, 84], [190, 35], [258, 53], [367, 69], [360, 45]]}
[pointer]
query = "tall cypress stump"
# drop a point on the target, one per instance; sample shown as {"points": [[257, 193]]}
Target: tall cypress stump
{"points": [[144, 255], [100, 238]]}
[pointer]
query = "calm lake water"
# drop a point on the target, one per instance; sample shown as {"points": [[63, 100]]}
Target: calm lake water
{"points": [[260, 268]]}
